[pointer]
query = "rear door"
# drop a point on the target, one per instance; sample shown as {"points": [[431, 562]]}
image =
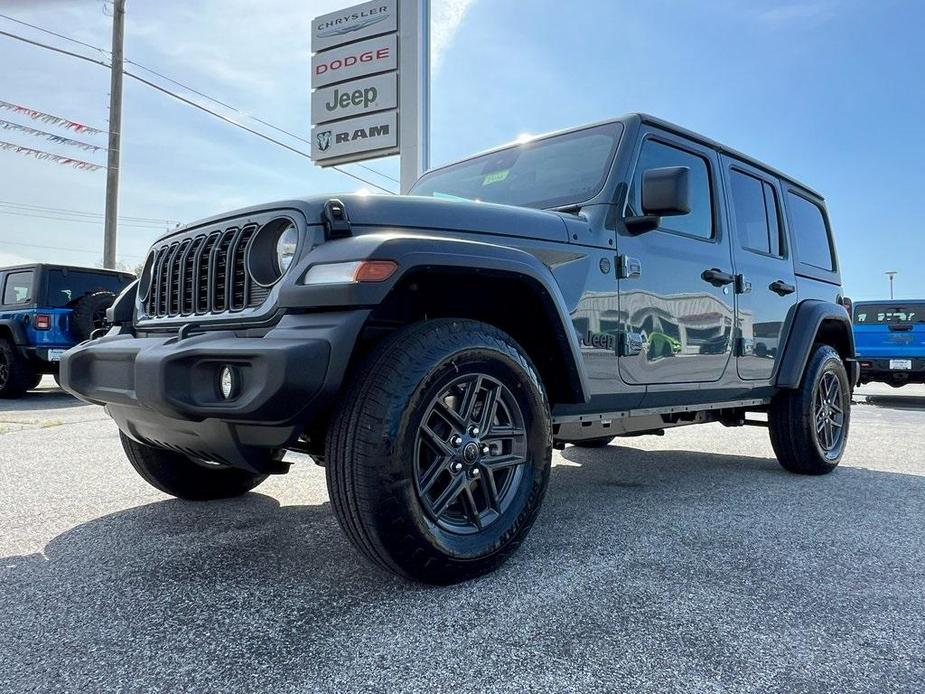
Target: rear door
{"points": [[766, 282], [678, 308]]}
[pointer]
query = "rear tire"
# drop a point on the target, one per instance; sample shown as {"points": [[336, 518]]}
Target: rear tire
{"points": [[185, 478], [15, 374], [809, 425], [594, 443], [438, 458]]}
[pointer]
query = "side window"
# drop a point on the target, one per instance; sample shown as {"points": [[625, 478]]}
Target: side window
{"points": [[699, 221], [757, 221], [810, 232], [18, 288]]}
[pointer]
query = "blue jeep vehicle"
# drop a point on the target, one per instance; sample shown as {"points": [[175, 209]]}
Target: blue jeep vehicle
{"points": [[890, 341], [44, 311]]}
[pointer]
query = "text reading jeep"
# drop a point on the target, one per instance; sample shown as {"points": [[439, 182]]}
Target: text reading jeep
{"points": [[429, 351]]}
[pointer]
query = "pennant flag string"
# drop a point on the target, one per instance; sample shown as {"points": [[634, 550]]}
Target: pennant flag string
{"points": [[48, 118], [57, 139], [48, 156]]}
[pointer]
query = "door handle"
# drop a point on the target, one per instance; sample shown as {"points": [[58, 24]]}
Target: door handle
{"points": [[717, 277], [782, 288]]}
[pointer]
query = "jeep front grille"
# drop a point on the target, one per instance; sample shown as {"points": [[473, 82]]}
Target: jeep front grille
{"points": [[203, 274]]}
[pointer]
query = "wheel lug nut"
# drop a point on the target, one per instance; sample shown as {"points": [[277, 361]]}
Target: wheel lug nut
{"points": [[474, 431], [456, 467], [476, 472], [456, 440], [485, 449]]}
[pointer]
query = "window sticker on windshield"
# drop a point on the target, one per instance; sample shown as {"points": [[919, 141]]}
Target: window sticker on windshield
{"points": [[495, 177]]}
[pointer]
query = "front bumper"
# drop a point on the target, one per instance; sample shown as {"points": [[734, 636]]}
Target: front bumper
{"points": [[164, 391]]}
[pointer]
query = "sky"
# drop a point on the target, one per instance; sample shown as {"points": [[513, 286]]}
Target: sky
{"points": [[830, 91]]}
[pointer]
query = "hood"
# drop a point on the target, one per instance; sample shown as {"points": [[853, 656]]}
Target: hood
{"points": [[410, 212], [380, 212]]}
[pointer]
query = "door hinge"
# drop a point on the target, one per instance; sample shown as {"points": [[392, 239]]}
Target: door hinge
{"points": [[629, 268]]}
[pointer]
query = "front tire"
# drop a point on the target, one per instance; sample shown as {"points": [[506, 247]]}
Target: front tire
{"points": [[15, 375], [809, 425], [186, 478], [439, 457]]}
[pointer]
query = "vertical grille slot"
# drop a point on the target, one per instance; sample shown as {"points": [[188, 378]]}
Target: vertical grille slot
{"points": [[240, 278], [203, 265], [163, 294], [176, 278], [187, 280], [220, 272]]}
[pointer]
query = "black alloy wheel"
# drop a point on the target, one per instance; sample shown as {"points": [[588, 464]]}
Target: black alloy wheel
{"points": [[469, 454], [829, 413]]}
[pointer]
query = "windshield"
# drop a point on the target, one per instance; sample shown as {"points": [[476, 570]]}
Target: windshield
{"points": [[550, 172], [867, 314], [65, 287]]}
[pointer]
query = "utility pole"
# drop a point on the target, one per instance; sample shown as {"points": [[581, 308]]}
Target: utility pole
{"points": [[891, 274], [115, 135]]}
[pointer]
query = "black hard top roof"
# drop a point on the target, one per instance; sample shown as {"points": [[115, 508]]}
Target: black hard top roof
{"points": [[57, 266], [671, 127]]}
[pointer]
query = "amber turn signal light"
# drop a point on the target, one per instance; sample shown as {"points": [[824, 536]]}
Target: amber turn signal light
{"points": [[374, 270]]}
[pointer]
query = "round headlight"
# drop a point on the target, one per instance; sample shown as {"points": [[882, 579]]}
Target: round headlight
{"points": [[286, 247]]}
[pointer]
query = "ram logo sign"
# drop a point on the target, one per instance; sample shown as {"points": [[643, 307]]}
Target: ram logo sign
{"points": [[355, 138]]}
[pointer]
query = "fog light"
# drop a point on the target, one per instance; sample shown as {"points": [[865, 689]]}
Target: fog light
{"points": [[226, 382]]}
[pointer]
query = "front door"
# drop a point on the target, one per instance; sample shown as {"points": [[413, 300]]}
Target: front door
{"points": [[678, 309], [763, 259]]}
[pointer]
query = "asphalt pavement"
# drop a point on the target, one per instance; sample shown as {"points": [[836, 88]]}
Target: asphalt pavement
{"points": [[689, 562]]}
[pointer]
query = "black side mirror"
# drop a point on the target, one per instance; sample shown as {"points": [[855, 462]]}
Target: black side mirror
{"points": [[665, 193]]}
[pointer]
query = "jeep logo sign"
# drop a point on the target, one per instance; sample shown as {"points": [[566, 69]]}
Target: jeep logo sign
{"points": [[355, 98], [355, 60], [377, 133]]}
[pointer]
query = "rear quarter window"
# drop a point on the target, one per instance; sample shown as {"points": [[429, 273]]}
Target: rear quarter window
{"points": [[18, 288], [810, 232]]}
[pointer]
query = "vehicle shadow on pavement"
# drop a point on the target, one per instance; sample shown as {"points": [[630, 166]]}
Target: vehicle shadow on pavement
{"points": [[899, 402], [44, 399], [646, 570]]}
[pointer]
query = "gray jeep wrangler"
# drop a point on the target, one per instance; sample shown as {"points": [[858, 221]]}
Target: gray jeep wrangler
{"points": [[431, 350]]}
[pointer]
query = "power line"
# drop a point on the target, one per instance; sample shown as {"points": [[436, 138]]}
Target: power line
{"points": [[62, 248], [53, 33], [192, 103], [77, 220], [99, 215]]}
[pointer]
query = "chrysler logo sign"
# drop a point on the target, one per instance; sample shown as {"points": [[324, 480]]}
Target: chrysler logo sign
{"points": [[354, 23]]}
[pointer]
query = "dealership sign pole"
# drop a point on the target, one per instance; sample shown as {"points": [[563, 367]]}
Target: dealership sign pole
{"points": [[371, 85]]}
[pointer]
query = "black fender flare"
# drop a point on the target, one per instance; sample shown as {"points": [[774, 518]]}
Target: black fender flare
{"points": [[807, 321], [15, 329], [416, 253]]}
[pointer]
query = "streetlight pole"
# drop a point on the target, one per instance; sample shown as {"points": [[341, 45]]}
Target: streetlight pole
{"points": [[891, 274], [115, 135]]}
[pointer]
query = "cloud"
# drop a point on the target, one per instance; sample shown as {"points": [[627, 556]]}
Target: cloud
{"points": [[446, 17], [813, 12]]}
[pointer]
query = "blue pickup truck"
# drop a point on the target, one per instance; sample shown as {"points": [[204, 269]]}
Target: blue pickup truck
{"points": [[44, 311], [890, 341]]}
